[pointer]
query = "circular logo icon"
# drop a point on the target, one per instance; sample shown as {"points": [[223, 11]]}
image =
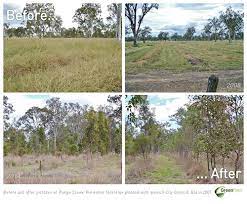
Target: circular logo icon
{"points": [[220, 191]]}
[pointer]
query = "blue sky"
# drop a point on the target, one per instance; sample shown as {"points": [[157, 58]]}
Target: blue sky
{"points": [[65, 9], [157, 100], [174, 17]]}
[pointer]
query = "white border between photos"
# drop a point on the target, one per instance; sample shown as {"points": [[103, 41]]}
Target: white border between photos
{"points": [[235, 197]]}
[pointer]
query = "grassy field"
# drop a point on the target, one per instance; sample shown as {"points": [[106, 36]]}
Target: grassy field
{"points": [[176, 62], [170, 169], [158, 169], [64, 170], [184, 56], [62, 65]]}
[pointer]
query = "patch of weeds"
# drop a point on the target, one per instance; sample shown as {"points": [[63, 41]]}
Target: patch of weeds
{"points": [[73, 182], [13, 163]]}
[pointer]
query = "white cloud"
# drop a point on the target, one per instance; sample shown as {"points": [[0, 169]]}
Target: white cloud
{"points": [[23, 102], [181, 16], [164, 111], [165, 105]]}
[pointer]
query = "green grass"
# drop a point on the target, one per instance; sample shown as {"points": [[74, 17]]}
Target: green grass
{"points": [[177, 56], [157, 169], [166, 171], [62, 65]]}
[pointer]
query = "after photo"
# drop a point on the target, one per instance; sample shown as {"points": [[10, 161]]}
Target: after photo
{"points": [[184, 139]]}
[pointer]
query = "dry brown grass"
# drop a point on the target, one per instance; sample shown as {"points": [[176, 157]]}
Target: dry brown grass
{"points": [[137, 167], [195, 168], [62, 65], [68, 170]]}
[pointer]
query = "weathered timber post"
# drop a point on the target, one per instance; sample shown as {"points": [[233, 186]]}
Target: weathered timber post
{"points": [[212, 83], [40, 167]]}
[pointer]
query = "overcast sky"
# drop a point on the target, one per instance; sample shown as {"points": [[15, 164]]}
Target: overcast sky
{"points": [[22, 102], [177, 17], [65, 9], [164, 106]]}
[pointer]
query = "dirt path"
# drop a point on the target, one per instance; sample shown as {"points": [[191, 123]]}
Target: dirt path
{"points": [[168, 81]]}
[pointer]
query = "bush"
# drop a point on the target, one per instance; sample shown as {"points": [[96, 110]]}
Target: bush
{"points": [[6, 149], [142, 144], [21, 152], [73, 149]]}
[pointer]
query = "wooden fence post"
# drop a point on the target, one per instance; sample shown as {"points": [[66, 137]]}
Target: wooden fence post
{"points": [[212, 83], [40, 167]]}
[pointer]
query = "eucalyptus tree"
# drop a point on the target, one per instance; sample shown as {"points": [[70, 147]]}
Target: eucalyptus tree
{"points": [[39, 25], [135, 18], [236, 117], [34, 123], [233, 21], [144, 33], [8, 109], [190, 33], [215, 27], [114, 112], [163, 35], [115, 11], [56, 119], [88, 16]]}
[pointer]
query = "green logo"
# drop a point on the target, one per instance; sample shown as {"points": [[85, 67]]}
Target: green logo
{"points": [[220, 191]]}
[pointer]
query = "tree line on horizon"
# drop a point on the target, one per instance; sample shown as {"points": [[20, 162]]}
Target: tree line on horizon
{"points": [[228, 25], [64, 128], [88, 17], [208, 129]]}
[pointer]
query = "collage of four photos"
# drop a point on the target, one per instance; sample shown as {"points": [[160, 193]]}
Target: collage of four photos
{"points": [[151, 91]]}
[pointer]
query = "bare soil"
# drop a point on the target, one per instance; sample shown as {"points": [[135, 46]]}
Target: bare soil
{"points": [[189, 81]]}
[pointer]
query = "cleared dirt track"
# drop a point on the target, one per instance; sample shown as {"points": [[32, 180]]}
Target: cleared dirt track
{"points": [[189, 81]]}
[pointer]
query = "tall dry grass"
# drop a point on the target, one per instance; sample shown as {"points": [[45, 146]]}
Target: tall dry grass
{"points": [[136, 167], [62, 65], [194, 168], [66, 170]]}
